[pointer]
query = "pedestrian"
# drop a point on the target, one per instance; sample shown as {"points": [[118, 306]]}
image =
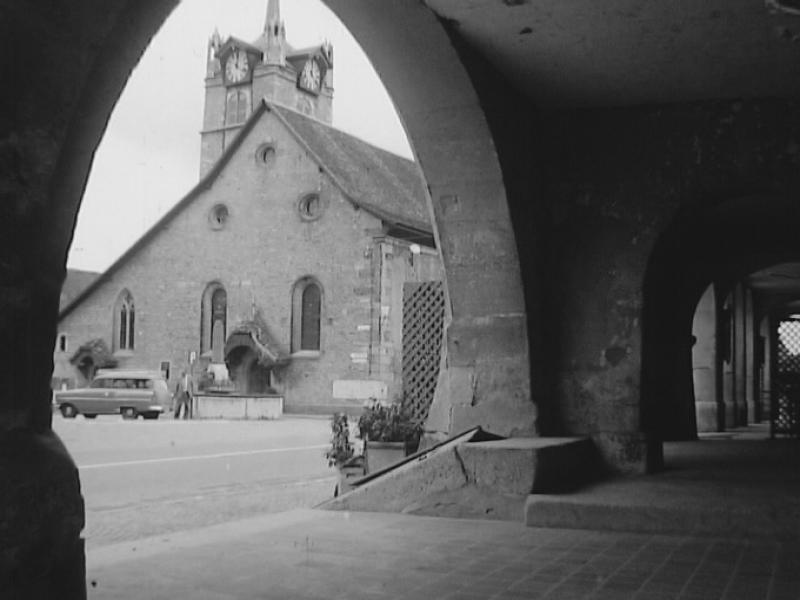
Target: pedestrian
{"points": [[184, 391]]}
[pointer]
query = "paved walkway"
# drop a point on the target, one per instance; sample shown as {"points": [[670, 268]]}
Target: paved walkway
{"points": [[316, 554], [313, 554]]}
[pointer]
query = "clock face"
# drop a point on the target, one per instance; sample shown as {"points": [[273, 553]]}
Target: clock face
{"points": [[311, 76], [236, 66]]}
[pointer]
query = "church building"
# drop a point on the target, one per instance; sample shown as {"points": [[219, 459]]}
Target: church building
{"points": [[289, 267]]}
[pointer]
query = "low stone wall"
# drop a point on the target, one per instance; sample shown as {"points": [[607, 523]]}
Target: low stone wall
{"points": [[225, 406]]}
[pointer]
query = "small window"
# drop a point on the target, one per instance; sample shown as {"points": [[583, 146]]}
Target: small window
{"points": [[237, 107], [265, 155], [213, 322], [62, 342], [306, 316], [218, 216], [125, 322], [165, 368], [310, 207]]}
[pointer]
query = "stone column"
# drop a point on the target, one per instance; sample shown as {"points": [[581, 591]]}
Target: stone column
{"points": [[726, 326], [751, 341], [52, 120], [765, 387], [740, 357], [485, 379], [704, 362]]}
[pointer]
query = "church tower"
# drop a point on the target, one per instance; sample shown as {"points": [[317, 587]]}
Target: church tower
{"points": [[239, 74]]}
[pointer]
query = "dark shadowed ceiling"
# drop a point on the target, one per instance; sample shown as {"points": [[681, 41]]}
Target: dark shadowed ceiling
{"points": [[626, 52], [778, 279]]}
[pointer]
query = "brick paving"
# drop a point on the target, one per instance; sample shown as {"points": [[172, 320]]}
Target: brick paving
{"points": [[311, 554]]}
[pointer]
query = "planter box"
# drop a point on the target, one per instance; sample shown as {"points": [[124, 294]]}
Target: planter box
{"points": [[382, 454], [224, 406], [350, 471]]}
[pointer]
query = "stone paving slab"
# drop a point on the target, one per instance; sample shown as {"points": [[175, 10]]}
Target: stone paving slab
{"points": [[314, 554]]}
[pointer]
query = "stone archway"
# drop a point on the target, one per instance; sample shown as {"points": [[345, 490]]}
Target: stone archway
{"points": [[59, 113], [718, 244], [486, 379]]}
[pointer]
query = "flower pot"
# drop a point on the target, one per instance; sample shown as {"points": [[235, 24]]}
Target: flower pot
{"points": [[382, 454], [346, 476]]}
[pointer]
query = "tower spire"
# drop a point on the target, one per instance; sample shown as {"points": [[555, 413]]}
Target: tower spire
{"points": [[274, 35], [273, 13]]}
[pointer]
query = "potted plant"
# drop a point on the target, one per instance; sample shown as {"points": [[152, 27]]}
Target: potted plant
{"points": [[341, 454], [388, 432]]}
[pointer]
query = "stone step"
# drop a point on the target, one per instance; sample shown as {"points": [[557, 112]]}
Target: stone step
{"points": [[654, 504], [474, 474], [530, 465]]}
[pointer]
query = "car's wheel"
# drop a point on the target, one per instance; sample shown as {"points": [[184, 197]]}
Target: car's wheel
{"points": [[150, 415], [68, 411], [128, 413], [85, 416]]}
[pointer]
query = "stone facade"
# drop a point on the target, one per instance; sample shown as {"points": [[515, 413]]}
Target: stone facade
{"points": [[246, 228]]}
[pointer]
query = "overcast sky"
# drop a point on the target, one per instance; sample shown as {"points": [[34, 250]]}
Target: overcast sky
{"points": [[149, 156]]}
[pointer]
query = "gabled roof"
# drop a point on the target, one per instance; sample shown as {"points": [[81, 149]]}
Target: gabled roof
{"points": [[385, 185], [234, 41]]}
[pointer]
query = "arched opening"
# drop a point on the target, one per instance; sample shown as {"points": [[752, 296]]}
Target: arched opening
{"points": [[440, 105], [706, 276], [213, 322], [306, 316], [249, 376], [124, 336]]}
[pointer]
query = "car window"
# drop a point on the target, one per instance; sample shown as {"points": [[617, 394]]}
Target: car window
{"points": [[100, 383], [120, 383], [144, 384]]}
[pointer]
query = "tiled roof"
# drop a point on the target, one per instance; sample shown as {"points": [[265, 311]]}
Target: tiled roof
{"points": [[387, 185], [74, 284]]}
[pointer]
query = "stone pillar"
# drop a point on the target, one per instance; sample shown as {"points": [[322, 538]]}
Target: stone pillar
{"points": [[726, 325], [750, 375], [485, 379], [739, 358], [765, 387], [52, 120], [704, 362]]}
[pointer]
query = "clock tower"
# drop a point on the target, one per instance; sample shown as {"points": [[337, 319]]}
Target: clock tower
{"points": [[239, 74]]}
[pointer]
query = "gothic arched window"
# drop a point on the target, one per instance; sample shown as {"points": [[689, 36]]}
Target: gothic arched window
{"points": [[306, 315], [124, 322], [237, 107], [214, 321]]}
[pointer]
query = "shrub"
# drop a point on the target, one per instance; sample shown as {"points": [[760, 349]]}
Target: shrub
{"points": [[387, 423], [341, 449]]}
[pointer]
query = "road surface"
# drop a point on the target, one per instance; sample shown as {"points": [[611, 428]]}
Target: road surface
{"points": [[144, 478]]}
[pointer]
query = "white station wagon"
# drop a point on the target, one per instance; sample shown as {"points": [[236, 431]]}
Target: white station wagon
{"points": [[117, 392]]}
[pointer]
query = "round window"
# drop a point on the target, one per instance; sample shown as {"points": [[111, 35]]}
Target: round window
{"points": [[265, 155], [218, 216], [310, 207]]}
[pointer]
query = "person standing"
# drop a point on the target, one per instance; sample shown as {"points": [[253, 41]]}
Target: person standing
{"points": [[184, 392]]}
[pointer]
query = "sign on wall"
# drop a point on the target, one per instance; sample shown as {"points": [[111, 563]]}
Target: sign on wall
{"points": [[359, 389]]}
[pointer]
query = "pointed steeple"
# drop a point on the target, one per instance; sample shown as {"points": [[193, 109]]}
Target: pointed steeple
{"points": [[214, 43], [273, 12], [274, 36]]}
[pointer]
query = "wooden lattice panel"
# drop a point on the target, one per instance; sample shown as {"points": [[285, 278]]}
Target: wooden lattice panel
{"points": [[786, 401], [423, 329]]}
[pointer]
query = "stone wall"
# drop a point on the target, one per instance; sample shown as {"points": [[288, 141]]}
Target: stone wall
{"points": [[264, 248], [646, 207]]}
